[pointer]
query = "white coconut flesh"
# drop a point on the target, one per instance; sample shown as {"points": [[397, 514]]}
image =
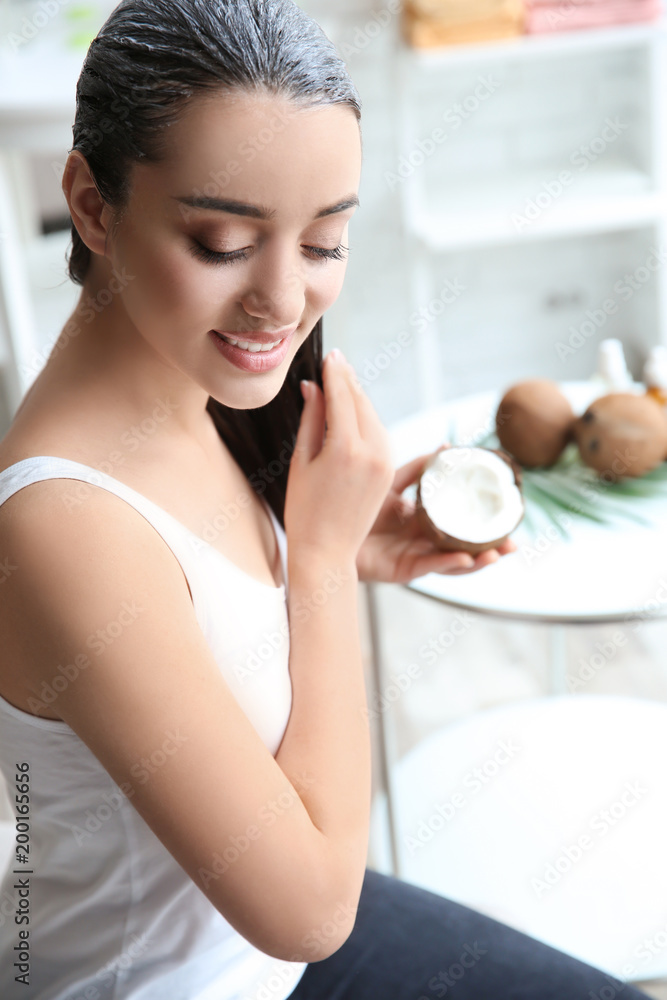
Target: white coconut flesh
{"points": [[471, 495]]}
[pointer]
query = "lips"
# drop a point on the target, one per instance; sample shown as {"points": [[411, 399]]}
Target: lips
{"points": [[254, 361]]}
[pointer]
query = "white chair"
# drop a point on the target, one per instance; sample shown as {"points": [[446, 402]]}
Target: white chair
{"points": [[560, 831]]}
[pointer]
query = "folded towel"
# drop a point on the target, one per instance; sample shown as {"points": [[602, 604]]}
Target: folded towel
{"points": [[457, 10], [430, 33], [563, 15], [569, 4]]}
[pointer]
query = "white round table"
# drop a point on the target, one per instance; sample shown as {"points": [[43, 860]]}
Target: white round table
{"points": [[578, 751], [597, 575]]}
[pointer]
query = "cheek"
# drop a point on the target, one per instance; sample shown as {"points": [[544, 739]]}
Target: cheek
{"points": [[171, 288], [327, 288]]}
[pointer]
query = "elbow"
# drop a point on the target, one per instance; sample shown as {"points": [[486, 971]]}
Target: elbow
{"points": [[319, 940], [313, 934]]}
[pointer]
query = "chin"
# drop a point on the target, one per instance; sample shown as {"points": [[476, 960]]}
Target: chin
{"points": [[251, 397]]}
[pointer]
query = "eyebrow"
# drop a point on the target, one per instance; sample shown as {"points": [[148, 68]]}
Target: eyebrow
{"points": [[257, 211]]}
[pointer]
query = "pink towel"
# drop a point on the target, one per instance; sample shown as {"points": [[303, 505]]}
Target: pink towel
{"points": [[582, 3], [562, 15]]}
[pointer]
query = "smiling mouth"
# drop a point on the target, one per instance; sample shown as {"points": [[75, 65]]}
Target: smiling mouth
{"points": [[245, 345]]}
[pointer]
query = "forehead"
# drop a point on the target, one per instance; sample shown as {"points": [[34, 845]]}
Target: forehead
{"points": [[261, 149]]}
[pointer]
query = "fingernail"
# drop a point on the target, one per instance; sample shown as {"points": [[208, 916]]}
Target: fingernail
{"points": [[337, 355], [305, 388]]}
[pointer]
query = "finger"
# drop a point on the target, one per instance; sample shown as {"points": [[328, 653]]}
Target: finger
{"points": [[370, 426], [310, 435], [482, 561], [507, 547], [341, 415], [442, 562], [486, 559]]}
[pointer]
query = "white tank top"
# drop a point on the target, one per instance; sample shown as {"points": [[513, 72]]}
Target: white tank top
{"points": [[112, 915]]}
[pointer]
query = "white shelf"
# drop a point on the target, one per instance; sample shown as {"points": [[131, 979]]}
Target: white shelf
{"points": [[535, 46], [607, 197], [498, 184]]}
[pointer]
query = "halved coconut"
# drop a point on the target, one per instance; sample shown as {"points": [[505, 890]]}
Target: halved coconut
{"points": [[469, 499]]}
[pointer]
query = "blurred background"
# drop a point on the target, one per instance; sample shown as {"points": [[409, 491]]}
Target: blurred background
{"points": [[512, 217]]}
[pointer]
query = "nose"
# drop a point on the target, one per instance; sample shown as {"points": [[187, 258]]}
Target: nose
{"points": [[276, 291]]}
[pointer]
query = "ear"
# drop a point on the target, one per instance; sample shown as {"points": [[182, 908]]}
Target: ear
{"points": [[90, 214]]}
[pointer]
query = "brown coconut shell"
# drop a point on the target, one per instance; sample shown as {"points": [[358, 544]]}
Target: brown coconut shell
{"points": [[622, 435], [448, 543], [534, 422]]}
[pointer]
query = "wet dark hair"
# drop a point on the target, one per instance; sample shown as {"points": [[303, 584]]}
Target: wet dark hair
{"points": [[148, 61]]}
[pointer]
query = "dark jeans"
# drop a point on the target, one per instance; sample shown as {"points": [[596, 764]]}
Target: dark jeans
{"points": [[411, 944]]}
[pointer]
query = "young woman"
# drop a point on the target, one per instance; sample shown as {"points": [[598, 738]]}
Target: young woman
{"points": [[182, 707]]}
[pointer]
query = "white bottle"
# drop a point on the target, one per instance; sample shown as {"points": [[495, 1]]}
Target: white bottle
{"points": [[655, 374], [612, 373]]}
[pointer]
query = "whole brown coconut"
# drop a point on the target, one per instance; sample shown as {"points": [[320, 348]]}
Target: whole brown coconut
{"points": [[471, 492], [534, 422], [622, 435]]}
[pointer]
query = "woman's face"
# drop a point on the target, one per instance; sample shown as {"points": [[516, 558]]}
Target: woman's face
{"points": [[261, 256]]}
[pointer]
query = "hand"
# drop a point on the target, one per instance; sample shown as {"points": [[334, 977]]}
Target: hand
{"points": [[396, 549], [340, 471]]}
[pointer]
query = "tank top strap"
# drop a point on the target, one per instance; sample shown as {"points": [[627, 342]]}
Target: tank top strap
{"points": [[281, 538], [41, 467]]}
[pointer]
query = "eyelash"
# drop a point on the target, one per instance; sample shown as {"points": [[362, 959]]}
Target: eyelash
{"points": [[215, 257]]}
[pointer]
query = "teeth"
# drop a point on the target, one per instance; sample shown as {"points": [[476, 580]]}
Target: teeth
{"points": [[253, 348]]}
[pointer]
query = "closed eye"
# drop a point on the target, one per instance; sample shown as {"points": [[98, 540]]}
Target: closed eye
{"points": [[217, 257]]}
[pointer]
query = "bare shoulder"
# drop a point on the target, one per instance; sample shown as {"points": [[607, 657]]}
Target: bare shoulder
{"points": [[71, 550], [83, 525]]}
